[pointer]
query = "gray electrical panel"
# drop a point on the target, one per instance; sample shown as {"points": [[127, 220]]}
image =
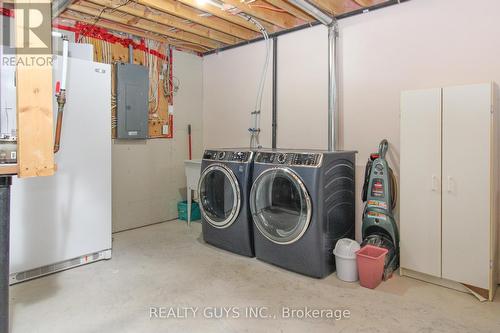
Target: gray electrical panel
{"points": [[132, 101]]}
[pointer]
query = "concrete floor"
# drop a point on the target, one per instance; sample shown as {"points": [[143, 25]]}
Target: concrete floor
{"points": [[168, 265]]}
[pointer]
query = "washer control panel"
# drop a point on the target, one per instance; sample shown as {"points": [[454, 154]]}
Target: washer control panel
{"points": [[227, 156], [290, 159]]}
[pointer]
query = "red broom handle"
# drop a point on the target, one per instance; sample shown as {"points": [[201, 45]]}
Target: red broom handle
{"points": [[189, 138]]}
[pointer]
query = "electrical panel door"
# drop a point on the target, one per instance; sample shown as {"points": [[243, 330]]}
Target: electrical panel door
{"points": [[132, 94]]}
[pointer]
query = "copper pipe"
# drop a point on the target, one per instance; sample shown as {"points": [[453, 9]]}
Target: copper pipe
{"points": [[61, 95], [61, 101]]}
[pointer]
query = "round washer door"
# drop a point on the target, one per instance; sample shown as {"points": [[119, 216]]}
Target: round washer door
{"points": [[280, 205], [219, 193]]}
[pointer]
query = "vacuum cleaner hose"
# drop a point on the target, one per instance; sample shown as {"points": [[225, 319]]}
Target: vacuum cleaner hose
{"points": [[394, 189]]}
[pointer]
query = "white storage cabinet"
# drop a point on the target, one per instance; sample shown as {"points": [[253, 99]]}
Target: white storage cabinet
{"points": [[449, 187]]}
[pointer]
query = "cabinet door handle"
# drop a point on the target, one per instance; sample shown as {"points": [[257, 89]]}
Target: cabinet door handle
{"points": [[434, 183], [450, 184]]}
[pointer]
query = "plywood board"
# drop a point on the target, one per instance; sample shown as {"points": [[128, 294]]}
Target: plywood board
{"points": [[8, 169], [35, 123], [34, 99], [119, 53]]}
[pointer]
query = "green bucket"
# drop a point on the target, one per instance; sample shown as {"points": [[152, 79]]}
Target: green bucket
{"points": [[182, 209]]}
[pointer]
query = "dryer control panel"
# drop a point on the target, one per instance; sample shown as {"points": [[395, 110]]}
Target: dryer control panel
{"points": [[290, 159], [228, 156]]}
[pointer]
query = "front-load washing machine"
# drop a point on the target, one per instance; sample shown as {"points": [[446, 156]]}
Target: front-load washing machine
{"points": [[223, 190], [302, 203]]}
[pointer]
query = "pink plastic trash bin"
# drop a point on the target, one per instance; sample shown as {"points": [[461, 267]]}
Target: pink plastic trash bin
{"points": [[370, 260]]}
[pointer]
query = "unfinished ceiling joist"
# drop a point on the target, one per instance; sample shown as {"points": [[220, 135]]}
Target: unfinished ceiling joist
{"points": [[132, 31], [227, 15], [285, 5], [140, 11], [368, 3], [282, 20], [156, 28], [212, 24], [188, 13], [338, 17], [336, 7]]}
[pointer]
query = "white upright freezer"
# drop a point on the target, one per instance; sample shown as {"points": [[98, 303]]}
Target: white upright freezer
{"points": [[64, 221]]}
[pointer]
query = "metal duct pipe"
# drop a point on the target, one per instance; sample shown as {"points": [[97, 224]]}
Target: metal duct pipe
{"points": [[314, 11], [275, 94], [333, 78], [333, 33]]}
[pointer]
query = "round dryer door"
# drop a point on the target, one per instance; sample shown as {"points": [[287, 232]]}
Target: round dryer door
{"points": [[280, 205], [219, 194]]}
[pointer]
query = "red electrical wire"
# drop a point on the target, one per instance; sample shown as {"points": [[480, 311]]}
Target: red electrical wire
{"points": [[103, 34], [171, 99], [6, 12], [190, 143]]}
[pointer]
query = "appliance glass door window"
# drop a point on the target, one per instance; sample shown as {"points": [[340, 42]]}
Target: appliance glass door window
{"points": [[280, 205], [219, 196]]}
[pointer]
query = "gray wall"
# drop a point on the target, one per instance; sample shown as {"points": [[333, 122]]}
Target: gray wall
{"points": [[148, 175]]}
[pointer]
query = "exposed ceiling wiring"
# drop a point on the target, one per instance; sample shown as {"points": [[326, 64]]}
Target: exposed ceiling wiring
{"points": [[279, 10], [112, 9], [170, 40], [274, 9], [255, 114]]}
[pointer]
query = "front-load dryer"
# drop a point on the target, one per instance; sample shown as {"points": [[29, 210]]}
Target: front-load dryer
{"points": [[223, 190], [302, 203]]}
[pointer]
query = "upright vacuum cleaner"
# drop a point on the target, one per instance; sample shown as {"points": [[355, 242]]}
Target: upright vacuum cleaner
{"points": [[380, 194]]}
